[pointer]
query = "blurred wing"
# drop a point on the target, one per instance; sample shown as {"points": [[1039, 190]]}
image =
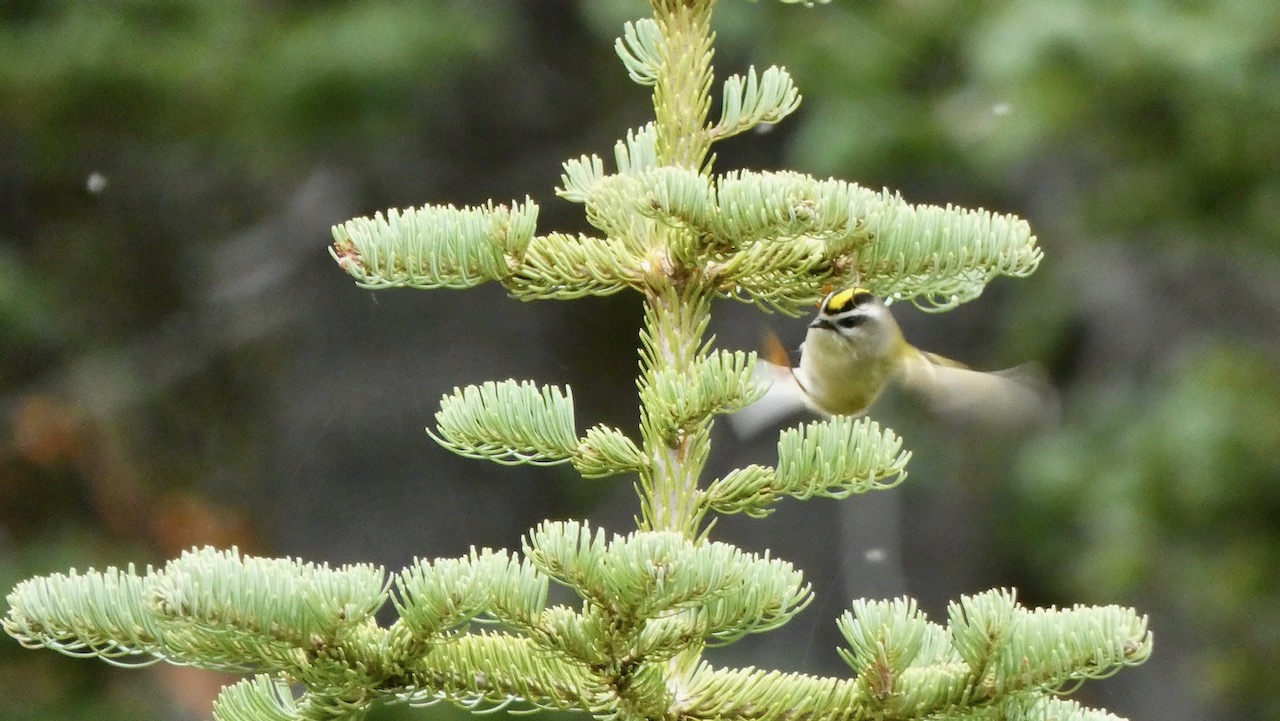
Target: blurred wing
{"points": [[1012, 399], [783, 399]]}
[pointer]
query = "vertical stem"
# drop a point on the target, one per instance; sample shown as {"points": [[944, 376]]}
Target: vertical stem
{"points": [[678, 304], [675, 324], [682, 97]]}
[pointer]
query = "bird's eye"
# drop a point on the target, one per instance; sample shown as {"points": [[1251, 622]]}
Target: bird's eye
{"points": [[851, 321]]}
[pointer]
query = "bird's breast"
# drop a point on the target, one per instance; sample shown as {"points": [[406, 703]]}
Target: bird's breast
{"points": [[838, 377]]}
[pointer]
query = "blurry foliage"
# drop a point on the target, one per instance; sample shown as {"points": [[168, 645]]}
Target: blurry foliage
{"points": [[198, 116], [1141, 141], [232, 79], [1158, 119], [1170, 494], [135, 135]]}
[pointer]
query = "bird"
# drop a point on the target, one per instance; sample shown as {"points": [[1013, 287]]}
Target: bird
{"points": [[854, 350]]}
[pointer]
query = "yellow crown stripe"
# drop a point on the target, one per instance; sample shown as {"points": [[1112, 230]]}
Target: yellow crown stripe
{"points": [[841, 299]]}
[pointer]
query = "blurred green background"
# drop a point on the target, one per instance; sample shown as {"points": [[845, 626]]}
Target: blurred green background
{"points": [[181, 363]]}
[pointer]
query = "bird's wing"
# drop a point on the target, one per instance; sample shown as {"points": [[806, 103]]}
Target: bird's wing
{"points": [[1019, 397], [784, 398]]}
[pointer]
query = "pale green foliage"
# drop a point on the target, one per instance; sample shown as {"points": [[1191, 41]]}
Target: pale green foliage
{"points": [[985, 628], [722, 382], [513, 423], [904, 254], [991, 648], [115, 626], [437, 596], [434, 246], [640, 49], [875, 460], [508, 423], [275, 607], [749, 101], [259, 697], [804, 458], [771, 238], [565, 267], [210, 608], [644, 575], [649, 602], [753, 100], [646, 598], [604, 451]]}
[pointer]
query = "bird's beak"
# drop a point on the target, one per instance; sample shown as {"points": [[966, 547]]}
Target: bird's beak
{"points": [[822, 323]]}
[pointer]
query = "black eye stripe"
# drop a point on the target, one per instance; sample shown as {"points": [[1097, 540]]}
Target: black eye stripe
{"points": [[852, 320]]}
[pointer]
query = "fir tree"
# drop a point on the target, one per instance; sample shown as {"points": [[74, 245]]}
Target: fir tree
{"points": [[652, 600]]}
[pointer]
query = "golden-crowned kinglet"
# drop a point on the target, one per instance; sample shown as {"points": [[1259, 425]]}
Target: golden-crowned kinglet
{"points": [[855, 350]]}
